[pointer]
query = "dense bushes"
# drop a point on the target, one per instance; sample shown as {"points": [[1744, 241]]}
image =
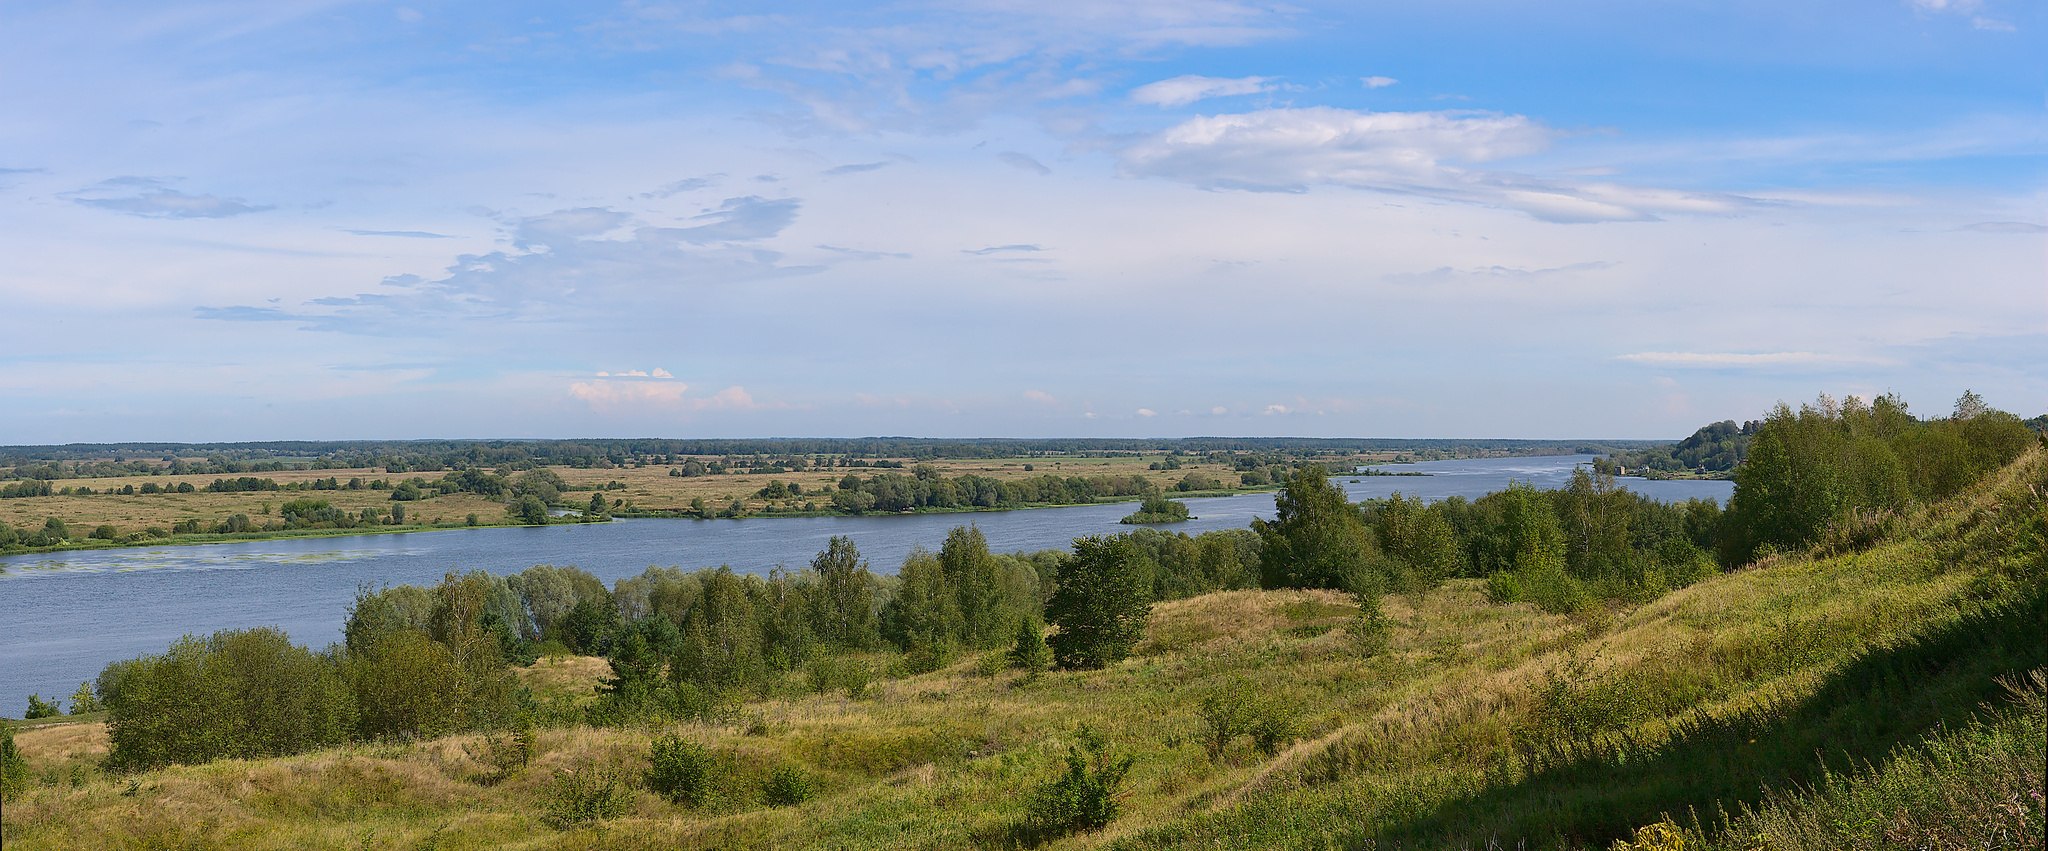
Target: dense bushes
{"points": [[1833, 472], [404, 673], [237, 693]]}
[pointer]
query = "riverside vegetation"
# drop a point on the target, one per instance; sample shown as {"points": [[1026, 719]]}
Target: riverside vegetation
{"points": [[1573, 668], [86, 496]]}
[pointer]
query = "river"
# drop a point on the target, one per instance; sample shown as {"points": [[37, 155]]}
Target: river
{"points": [[64, 616]]}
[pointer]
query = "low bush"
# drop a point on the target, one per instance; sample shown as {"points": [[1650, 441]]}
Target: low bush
{"points": [[1082, 798], [578, 798], [788, 786], [679, 770]]}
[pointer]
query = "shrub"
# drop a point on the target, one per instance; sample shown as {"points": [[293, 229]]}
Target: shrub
{"points": [[106, 532], [679, 770], [83, 701], [1084, 797], [1030, 651], [788, 786], [40, 708], [507, 753], [577, 798], [1372, 630], [236, 693], [13, 768], [1240, 709]]}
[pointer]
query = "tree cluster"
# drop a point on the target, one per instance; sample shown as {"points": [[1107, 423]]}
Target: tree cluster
{"points": [[252, 693], [1839, 471]]}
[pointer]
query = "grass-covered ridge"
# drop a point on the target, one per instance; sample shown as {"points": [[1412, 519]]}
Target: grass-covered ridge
{"points": [[1864, 683]]}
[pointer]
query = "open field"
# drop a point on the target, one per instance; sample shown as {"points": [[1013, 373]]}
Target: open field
{"points": [[1480, 723], [646, 488]]}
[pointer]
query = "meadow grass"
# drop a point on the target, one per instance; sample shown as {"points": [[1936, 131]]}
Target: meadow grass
{"points": [[1759, 703]]}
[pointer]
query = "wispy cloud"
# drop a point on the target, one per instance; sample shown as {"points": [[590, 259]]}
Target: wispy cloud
{"points": [[679, 187], [1745, 360], [994, 249], [739, 220], [859, 254], [172, 204], [564, 270], [1420, 153], [2005, 227], [1188, 88], [1024, 161], [1379, 82], [855, 168], [407, 234]]}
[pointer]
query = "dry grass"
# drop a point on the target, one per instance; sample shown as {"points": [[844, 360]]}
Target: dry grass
{"points": [[135, 513]]}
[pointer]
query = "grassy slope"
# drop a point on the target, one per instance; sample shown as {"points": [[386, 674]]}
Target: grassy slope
{"points": [[1483, 723]]}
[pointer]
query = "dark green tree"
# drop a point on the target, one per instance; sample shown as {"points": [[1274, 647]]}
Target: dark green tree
{"points": [[1316, 539], [1100, 604], [528, 509]]}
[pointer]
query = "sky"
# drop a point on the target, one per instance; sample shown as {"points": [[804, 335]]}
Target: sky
{"points": [[311, 219]]}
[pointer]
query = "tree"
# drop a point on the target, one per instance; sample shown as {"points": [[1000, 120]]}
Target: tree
{"points": [[721, 646], [977, 586], [1030, 651], [1316, 539], [1100, 605], [529, 510], [845, 602]]}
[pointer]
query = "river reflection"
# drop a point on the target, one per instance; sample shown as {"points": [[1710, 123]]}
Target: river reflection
{"points": [[64, 616]]}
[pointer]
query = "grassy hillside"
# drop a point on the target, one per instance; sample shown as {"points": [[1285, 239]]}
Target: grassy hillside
{"points": [[1888, 695]]}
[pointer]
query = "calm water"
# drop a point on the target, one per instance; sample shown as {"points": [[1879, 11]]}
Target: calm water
{"points": [[64, 616]]}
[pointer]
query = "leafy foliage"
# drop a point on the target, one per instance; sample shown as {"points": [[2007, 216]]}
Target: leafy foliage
{"points": [[787, 786], [1084, 797], [1316, 539], [587, 796], [1158, 509], [1100, 604], [679, 770]]}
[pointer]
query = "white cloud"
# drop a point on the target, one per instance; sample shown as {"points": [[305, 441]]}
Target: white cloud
{"points": [[1040, 396], [1993, 25], [1276, 410], [606, 394], [1379, 82], [1290, 150], [1147, 412], [1218, 411], [1189, 88]]}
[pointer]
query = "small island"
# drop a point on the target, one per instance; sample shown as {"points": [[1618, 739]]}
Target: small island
{"points": [[1159, 509]]}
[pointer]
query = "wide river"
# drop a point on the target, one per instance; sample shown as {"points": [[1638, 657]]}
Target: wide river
{"points": [[64, 616]]}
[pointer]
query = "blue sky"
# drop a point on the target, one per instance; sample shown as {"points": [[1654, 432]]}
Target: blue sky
{"points": [[285, 220]]}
